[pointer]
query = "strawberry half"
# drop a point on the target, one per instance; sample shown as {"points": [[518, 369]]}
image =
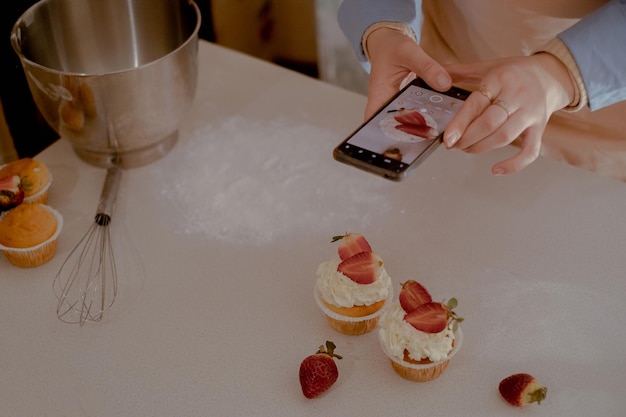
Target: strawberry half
{"points": [[362, 268], [412, 295], [319, 371], [414, 123], [11, 192], [522, 389], [429, 317], [352, 243]]}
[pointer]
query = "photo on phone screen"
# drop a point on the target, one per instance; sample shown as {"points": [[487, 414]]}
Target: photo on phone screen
{"points": [[406, 130]]}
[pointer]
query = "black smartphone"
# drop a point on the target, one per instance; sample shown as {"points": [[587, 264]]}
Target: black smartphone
{"points": [[403, 132]]}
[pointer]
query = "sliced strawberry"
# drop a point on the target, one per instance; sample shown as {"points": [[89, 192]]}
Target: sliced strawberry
{"points": [[12, 183], [429, 317], [352, 243], [11, 192], [414, 123], [362, 268], [411, 117], [419, 131], [412, 295]]}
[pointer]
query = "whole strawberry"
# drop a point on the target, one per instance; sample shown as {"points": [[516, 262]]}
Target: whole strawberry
{"points": [[319, 371], [522, 389]]}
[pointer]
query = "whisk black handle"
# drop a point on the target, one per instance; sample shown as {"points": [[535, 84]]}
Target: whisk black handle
{"points": [[107, 197]]}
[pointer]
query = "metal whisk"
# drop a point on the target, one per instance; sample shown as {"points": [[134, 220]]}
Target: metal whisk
{"points": [[86, 284]]}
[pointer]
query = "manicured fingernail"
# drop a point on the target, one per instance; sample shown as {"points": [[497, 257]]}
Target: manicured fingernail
{"points": [[499, 171], [443, 80], [452, 139]]}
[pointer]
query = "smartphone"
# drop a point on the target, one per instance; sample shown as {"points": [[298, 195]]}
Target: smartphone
{"points": [[403, 132]]}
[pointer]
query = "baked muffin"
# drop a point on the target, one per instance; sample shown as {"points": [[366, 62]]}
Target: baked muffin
{"points": [[35, 178], [419, 335], [28, 234], [352, 291]]}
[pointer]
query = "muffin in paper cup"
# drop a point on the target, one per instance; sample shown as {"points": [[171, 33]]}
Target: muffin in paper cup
{"points": [[424, 370], [356, 320], [39, 254]]}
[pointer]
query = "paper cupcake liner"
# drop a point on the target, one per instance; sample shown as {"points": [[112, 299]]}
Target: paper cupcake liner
{"points": [[421, 372], [38, 254], [350, 325], [353, 328]]}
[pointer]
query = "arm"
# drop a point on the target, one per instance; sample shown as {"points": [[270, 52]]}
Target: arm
{"points": [[356, 16], [385, 37], [597, 45]]}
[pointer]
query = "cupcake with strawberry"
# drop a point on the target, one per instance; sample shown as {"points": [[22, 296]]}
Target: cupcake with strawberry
{"points": [[420, 335], [352, 290], [34, 176]]}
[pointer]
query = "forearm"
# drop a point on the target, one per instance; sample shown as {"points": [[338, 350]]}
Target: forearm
{"points": [[355, 16], [597, 45]]}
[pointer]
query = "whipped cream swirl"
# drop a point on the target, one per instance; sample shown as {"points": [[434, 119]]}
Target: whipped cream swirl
{"points": [[339, 290], [398, 335]]}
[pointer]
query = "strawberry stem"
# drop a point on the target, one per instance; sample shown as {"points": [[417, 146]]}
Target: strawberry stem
{"points": [[338, 237], [329, 350], [538, 395]]}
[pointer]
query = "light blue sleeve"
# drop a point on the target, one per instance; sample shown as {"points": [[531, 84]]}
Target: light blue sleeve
{"points": [[598, 44], [355, 16]]}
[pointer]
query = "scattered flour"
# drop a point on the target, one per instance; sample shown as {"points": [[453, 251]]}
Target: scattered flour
{"points": [[229, 183]]}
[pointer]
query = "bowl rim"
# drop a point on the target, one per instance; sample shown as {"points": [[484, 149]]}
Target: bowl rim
{"points": [[15, 36]]}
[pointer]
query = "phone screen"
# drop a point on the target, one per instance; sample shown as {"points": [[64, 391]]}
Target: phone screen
{"points": [[403, 132]]}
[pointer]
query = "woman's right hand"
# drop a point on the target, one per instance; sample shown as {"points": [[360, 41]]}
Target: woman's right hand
{"points": [[393, 57]]}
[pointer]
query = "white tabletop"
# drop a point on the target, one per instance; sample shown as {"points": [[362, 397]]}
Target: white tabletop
{"points": [[219, 241]]}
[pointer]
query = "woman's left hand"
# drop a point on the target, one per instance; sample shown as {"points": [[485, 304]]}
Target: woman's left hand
{"points": [[514, 99]]}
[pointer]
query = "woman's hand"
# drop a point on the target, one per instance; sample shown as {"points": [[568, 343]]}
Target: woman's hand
{"points": [[514, 99], [393, 57]]}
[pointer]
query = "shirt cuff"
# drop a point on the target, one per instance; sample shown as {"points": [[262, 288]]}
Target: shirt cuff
{"points": [[399, 26], [559, 50]]}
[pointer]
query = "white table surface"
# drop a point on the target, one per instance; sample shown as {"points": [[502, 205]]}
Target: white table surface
{"points": [[219, 241]]}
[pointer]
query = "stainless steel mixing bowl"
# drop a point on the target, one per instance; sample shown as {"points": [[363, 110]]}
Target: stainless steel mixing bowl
{"points": [[114, 77]]}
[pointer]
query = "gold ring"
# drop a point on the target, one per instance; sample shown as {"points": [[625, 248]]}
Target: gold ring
{"points": [[503, 105], [485, 92]]}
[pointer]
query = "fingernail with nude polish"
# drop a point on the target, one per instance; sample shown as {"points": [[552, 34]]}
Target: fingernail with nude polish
{"points": [[452, 139], [443, 80], [499, 171]]}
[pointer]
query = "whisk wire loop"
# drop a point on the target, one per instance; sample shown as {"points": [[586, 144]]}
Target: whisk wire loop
{"points": [[86, 284]]}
